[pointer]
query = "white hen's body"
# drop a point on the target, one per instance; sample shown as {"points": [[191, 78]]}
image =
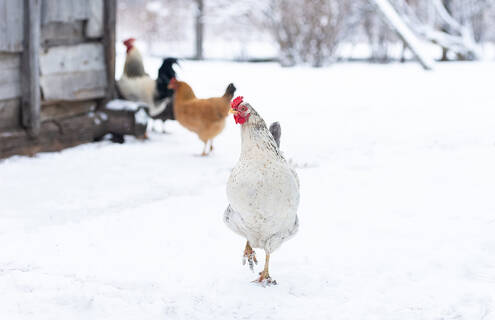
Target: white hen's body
{"points": [[142, 89], [263, 190]]}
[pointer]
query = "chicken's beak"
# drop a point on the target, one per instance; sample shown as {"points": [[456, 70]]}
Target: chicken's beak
{"points": [[232, 111]]}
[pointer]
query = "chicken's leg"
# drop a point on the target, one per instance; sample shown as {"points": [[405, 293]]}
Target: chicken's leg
{"points": [[249, 256], [204, 149], [264, 275]]}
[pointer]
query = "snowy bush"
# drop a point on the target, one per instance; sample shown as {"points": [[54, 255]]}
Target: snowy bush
{"points": [[307, 31]]}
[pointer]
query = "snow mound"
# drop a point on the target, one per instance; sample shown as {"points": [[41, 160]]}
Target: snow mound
{"points": [[126, 105]]}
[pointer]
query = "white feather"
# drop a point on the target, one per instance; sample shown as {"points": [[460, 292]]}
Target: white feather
{"points": [[142, 89]]}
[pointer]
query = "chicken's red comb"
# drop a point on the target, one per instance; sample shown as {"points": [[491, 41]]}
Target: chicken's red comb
{"points": [[128, 42], [236, 102]]}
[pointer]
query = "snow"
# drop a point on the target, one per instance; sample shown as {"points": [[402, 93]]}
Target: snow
{"points": [[119, 104], [141, 117], [397, 212]]}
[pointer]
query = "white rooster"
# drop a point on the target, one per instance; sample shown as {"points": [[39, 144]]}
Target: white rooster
{"points": [[263, 190], [136, 85]]}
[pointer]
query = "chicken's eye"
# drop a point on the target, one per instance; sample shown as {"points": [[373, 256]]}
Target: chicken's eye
{"points": [[243, 108]]}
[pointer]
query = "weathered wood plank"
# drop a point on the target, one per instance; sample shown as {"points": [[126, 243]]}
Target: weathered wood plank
{"points": [[66, 110], [10, 70], [30, 77], [75, 85], [94, 26], [64, 10], [10, 114], [65, 59], [11, 25], [74, 72], [62, 33], [110, 20], [9, 60]]}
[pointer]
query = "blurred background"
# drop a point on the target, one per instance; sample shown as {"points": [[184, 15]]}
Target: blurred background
{"points": [[313, 32]]}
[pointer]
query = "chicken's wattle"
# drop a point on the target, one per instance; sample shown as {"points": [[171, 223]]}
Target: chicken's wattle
{"points": [[239, 119]]}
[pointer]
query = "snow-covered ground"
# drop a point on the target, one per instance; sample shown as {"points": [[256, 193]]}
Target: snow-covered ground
{"points": [[397, 206]]}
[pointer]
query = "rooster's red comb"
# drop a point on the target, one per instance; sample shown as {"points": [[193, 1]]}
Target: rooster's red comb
{"points": [[128, 42], [236, 102]]}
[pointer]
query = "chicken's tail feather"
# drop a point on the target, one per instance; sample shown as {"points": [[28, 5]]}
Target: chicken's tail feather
{"points": [[276, 131], [229, 92]]}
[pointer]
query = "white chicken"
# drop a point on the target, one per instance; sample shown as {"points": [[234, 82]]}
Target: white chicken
{"points": [[263, 190], [136, 85]]}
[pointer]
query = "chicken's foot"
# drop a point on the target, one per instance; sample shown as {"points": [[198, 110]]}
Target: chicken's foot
{"points": [[265, 278], [249, 256]]}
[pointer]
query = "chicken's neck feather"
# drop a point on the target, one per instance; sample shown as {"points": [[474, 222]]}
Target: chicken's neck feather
{"points": [[257, 141], [133, 66], [184, 92]]}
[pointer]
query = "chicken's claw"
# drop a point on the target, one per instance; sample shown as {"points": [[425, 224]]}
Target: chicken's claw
{"points": [[265, 280]]}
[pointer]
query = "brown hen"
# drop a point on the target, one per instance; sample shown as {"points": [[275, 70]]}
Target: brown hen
{"points": [[205, 117]]}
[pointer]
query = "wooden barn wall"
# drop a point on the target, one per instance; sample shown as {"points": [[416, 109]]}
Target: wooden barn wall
{"points": [[10, 86], [11, 25], [10, 90], [65, 22], [69, 44], [72, 64], [76, 72], [63, 10], [73, 71], [11, 43]]}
